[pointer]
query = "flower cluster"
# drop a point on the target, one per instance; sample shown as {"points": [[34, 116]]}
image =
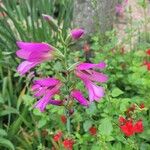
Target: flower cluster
{"points": [[86, 72], [130, 126], [67, 143], [46, 88]]}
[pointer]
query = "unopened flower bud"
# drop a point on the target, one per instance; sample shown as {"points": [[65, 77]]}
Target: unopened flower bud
{"points": [[51, 22], [77, 33]]}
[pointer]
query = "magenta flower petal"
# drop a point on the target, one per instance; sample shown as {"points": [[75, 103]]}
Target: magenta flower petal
{"points": [[95, 92], [40, 56], [92, 75], [31, 46], [34, 53], [42, 103], [77, 33], [24, 54], [40, 92], [33, 50], [99, 77], [85, 66], [35, 87], [79, 97], [47, 82], [25, 66]]}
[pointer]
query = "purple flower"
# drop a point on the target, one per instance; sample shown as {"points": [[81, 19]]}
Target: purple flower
{"points": [[34, 54], [95, 92], [45, 89], [79, 97], [77, 33], [86, 73]]}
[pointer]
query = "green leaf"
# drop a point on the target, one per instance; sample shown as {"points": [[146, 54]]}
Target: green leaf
{"points": [[9, 110], [3, 132], [42, 123], [92, 109], [87, 125], [116, 92], [28, 100], [105, 127], [6, 143]]}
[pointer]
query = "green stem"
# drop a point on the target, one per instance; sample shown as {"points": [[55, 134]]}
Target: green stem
{"points": [[67, 88], [68, 125]]}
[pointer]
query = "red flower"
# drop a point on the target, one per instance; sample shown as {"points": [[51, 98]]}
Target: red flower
{"points": [[148, 52], [122, 120], [142, 105], [147, 64], [68, 144], [64, 119], [138, 127], [93, 131], [128, 128], [57, 136]]}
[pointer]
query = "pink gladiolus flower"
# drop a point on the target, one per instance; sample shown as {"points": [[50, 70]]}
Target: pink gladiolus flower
{"points": [[46, 88], [79, 97], [95, 92], [34, 54], [86, 73], [77, 33]]}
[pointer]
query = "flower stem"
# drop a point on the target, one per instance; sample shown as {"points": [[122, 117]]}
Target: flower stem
{"points": [[68, 124]]}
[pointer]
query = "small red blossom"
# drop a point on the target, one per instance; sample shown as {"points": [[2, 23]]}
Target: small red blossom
{"points": [[64, 119], [138, 127], [147, 64], [128, 128], [93, 131], [148, 52], [142, 105], [68, 144], [122, 120], [57, 136]]}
